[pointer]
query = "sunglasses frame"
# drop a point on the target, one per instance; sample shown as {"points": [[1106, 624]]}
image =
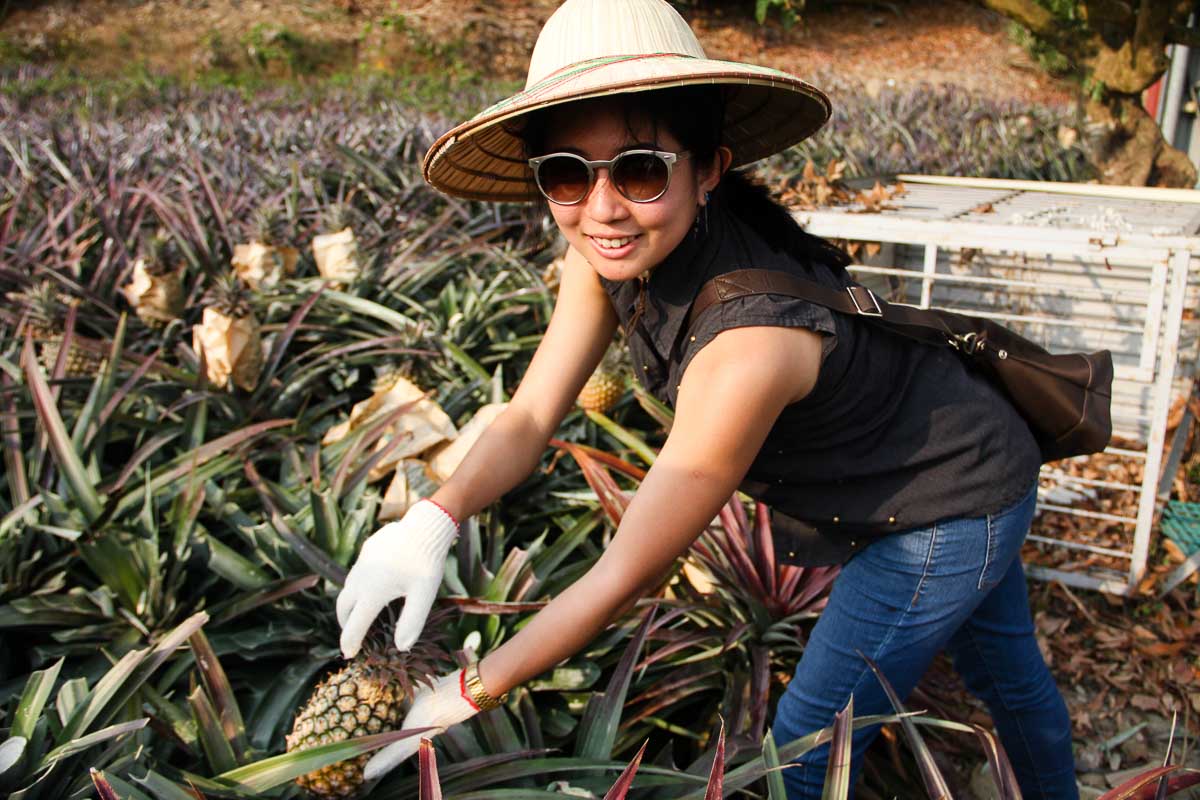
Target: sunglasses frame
{"points": [[666, 156]]}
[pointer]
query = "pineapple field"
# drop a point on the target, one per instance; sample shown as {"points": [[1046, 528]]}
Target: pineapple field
{"points": [[239, 332]]}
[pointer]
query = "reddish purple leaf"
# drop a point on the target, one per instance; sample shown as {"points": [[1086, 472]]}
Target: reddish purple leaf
{"points": [[716, 776], [837, 770], [625, 782], [1143, 787], [103, 787], [431, 788]]}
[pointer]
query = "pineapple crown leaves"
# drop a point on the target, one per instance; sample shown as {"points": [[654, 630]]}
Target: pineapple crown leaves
{"points": [[230, 296], [428, 658], [339, 216], [270, 226], [41, 301], [162, 252]]}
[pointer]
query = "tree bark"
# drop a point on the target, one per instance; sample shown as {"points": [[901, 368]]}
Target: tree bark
{"points": [[1127, 147]]}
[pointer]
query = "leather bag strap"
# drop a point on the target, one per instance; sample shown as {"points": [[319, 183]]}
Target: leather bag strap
{"points": [[932, 327]]}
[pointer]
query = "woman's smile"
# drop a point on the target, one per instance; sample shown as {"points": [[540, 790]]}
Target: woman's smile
{"points": [[614, 247]]}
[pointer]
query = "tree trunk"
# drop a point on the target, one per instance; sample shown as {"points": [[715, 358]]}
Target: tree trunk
{"points": [[1119, 47], [1127, 147]]}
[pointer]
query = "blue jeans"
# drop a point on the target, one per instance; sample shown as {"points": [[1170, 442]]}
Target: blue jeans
{"points": [[956, 585]]}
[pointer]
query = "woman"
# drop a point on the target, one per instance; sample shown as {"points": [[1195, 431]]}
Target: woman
{"points": [[915, 470]]}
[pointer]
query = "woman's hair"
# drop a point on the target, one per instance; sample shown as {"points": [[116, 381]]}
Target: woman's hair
{"points": [[695, 116]]}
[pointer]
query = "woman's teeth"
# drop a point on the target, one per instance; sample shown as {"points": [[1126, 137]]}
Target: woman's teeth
{"points": [[613, 244]]}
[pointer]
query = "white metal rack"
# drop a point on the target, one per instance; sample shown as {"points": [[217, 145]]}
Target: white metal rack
{"points": [[1075, 268]]}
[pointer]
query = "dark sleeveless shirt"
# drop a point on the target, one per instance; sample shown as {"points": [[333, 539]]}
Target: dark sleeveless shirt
{"points": [[894, 435]]}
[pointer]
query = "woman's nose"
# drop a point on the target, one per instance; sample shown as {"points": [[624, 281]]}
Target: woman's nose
{"points": [[604, 201]]}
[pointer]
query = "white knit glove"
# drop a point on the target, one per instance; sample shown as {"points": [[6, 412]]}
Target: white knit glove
{"points": [[402, 559], [446, 704]]}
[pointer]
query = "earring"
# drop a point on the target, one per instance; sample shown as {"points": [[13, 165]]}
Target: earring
{"points": [[700, 224]]}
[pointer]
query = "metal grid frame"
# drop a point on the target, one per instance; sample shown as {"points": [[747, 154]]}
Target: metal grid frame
{"points": [[1161, 262]]}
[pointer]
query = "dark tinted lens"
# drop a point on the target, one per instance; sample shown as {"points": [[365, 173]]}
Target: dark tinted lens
{"points": [[640, 176], [563, 179]]}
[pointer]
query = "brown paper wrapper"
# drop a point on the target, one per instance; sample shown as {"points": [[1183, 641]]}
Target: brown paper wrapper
{"points": [[155, 298], [261, 266], [336, 255], [422, 426], [445, 458], [232, 349]]}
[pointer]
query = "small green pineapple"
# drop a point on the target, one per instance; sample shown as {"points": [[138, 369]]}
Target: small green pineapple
{"points": [[45, 309]]}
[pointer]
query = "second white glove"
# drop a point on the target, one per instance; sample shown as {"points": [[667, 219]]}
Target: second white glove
{"points": [[439, 707], [402, 559]]}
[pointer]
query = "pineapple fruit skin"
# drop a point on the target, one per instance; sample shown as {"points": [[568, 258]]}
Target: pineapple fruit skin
{"points": [[80, 363], [357, 700], [601, 392], [607, 382]]}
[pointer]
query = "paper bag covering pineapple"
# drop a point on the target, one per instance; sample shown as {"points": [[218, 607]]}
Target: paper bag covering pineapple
{"points": [[156, 290], [336, 250], [228, 336], [422, 425], [267, 259]]}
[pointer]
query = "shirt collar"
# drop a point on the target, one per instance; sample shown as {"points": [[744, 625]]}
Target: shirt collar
{"points": [[675, 282]]}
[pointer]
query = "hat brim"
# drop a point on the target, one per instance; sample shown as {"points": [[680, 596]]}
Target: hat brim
{"points": [[766, 111]]}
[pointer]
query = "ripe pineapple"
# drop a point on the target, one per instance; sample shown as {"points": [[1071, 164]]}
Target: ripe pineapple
{"points": [[45, 308], [607, 383], [229, 336], [370, 694], [156, 291]]}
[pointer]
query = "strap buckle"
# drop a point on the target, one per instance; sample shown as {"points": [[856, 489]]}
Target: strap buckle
{"points": [[969, 343], [866, 312]]}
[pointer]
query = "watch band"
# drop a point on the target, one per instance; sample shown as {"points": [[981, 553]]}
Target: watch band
{"points": [[473, 691]]}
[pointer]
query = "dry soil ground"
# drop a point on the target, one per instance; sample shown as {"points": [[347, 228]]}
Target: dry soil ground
{"points": [[930, 40]]}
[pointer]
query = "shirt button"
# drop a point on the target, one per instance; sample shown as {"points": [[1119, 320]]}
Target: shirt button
{"points": [[778, 452], [645, 368], [837, 520], [891, 520], [853, 543], [693, 339]]}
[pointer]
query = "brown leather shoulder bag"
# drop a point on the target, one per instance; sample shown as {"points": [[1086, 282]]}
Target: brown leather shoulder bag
{"points": [[1066, 399]]}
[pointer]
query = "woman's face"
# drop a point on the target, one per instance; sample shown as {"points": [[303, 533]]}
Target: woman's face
{"points": [[622, 239]]}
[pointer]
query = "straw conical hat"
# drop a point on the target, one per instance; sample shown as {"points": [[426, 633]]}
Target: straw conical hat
{"points": [[592, 48]]}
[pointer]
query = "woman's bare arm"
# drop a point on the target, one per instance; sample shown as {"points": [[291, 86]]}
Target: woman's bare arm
{"points": [[580, 330], [726, 406]]}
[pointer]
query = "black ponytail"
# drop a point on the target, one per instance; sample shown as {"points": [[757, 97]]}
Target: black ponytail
{"points": [[748, 199]]}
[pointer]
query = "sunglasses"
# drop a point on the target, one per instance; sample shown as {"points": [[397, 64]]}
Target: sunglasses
{"points": [[642, 176]]}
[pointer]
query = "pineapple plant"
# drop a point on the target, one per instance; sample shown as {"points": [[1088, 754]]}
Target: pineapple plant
{"points": [[270, 255], [156, 290], [370, 694], [607, 383], [336, 250], [229, 336], [45, 308]]}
